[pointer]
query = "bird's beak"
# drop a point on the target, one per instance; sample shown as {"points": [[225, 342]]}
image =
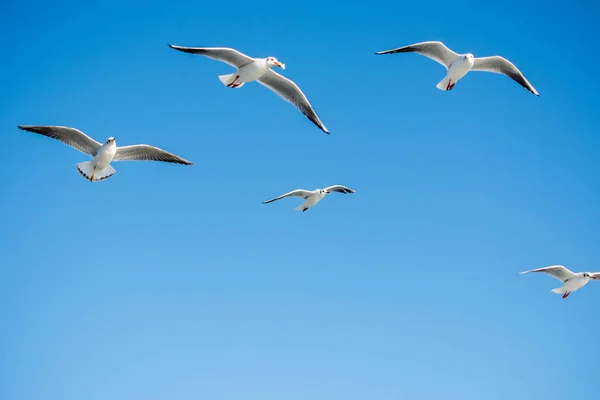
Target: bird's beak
{"points": [[593, 277], [280, 65]]}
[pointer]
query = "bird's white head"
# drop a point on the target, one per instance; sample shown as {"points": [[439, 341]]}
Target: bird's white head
{"points": [[272, 62], [323, 191], [110, 140], [588, 276], [468, 56]]}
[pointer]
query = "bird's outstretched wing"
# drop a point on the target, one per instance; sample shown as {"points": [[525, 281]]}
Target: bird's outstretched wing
{"points": [[144, 152], [340, 189], [294, 193], [501, 65], [437, 51], [290, 92], [69, 136], [223, 54], [556, 271]]}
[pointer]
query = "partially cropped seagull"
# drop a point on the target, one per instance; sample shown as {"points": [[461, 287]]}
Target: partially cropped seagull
{"points": [[458, 65], [571, 281], [257, 69], [99, 167], [312, 197]]}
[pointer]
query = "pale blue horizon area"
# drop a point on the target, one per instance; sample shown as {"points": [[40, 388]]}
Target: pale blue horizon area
{"points": [[174, 282]]}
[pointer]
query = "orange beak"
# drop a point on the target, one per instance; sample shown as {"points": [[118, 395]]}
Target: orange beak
{"points": [[280, 65], [593, 277]]}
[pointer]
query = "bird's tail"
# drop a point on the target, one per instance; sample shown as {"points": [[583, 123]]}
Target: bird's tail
{"points": [[445, 84], [229, 79], [559, 290], [91, 173], [301, 207]]}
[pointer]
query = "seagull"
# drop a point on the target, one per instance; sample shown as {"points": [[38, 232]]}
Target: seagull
{"points": [[257, 69], [458, 65], [571, 281], [312, 197], [99, 167]]}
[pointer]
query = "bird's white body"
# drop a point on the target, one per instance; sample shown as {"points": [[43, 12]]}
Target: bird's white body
{"points": [[99, 167], [312, 199], [457, 70], [573, 284], [250, 72], [253, 71], [105, 155]]}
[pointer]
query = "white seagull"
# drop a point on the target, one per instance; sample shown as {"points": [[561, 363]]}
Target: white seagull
{"points": [[99, 167], [458, 65], [571, 281], [312, 197], [257, 69]]}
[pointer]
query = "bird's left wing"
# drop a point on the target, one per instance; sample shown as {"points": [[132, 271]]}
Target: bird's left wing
{"points": [[340, 189], [435, 50], [294, 193], [501, 65], [69, 136], [289, 91], [144, 152], [224, 54], [556, 271]]}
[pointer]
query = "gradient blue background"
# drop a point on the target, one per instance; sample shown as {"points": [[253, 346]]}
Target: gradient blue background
{"points": [[173, 282]]}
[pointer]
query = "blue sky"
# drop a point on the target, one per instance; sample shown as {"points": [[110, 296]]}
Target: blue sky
{"points": [[173, 282]]}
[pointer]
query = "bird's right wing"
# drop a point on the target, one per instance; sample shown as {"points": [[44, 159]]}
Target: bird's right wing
{"points": [[69, 136], [556, 271], [144, 152], [290, 92], [340, 189], [437, 51], [223, 54], [501, 65], [294, 193]]}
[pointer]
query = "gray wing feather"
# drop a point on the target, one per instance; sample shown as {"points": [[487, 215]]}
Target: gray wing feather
{"points": [[69, 136], [437, 51], [340, 189], [290, 92], [224, 54], [144, 152], [556, 271], [294, 193], [501, 65]]}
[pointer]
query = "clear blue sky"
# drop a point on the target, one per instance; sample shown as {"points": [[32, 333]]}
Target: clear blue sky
{"points": [[173, 282]]}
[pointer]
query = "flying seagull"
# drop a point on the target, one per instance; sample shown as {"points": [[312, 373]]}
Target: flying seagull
{"points": [[99, 167], [312, 197], [257, 69], [458, 65], [571, 281]]}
